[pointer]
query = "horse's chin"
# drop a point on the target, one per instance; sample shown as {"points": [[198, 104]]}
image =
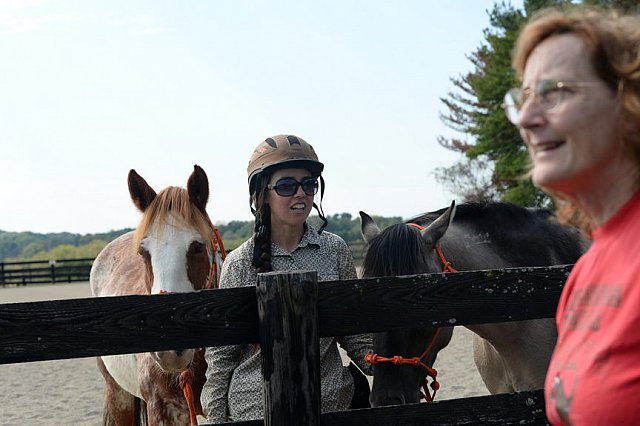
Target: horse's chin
{"points": [[174, 361]]}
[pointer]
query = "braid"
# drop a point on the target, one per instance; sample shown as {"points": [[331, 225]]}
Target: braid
{"points": [[262, 231]]}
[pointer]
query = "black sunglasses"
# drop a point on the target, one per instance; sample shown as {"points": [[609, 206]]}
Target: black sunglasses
{"points": [[287, 187]]}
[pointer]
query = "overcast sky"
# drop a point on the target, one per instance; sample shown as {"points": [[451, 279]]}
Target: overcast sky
{"points": [[92, 89]]}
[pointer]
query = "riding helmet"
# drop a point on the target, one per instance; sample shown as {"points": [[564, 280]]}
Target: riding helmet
{"points": [[282, 151]]}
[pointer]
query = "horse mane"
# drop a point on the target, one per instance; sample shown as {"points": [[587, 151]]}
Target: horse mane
{"points": [[519, 234], [486, 215], [397, 250], [173, 200]]}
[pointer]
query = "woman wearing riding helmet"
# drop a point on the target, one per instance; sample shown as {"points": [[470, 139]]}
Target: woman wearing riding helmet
{"points": [[284, 176]]}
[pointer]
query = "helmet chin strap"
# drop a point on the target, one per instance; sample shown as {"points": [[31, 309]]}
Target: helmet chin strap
{"points": [[319, 207]]}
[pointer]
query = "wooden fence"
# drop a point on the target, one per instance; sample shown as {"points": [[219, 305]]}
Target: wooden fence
{"points": [[63, 329], [45, 271]]}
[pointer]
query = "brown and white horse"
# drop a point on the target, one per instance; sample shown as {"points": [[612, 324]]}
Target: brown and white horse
{"points": [[175, 248]]}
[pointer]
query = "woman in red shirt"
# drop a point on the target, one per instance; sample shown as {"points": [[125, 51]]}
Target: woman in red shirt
{"points": [[578, 111]]}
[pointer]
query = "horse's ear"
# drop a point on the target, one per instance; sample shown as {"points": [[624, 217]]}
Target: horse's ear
{"points": [[438, 227], [141, 193], [368, 227], [198, 188]]}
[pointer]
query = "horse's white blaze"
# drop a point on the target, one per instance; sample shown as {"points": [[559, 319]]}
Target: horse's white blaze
{"points": [[168, 257], [124, 370]]}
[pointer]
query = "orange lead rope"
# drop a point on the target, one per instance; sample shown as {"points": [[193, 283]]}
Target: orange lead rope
{"points": [[186, 383], [399, 360], [415, 361]]}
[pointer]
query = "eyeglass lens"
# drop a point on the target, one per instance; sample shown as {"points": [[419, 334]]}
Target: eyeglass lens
{"points": [[286, 187], [548, 94]]}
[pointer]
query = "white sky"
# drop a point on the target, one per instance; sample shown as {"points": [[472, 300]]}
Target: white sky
{"points": [[90, 89]]}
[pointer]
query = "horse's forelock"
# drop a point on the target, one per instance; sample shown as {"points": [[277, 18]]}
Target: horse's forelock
{"points": [[172, 200], [397, 250]]}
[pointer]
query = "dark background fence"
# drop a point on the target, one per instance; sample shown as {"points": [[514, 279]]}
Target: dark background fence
{"points": [[77, 328], [45, 271]]}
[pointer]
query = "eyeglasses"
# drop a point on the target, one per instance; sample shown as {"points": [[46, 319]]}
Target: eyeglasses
{"points": [[548, 94], [287, 187]]}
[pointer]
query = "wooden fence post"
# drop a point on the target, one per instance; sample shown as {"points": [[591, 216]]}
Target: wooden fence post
{"points": [[52, 264], [290, 347]]}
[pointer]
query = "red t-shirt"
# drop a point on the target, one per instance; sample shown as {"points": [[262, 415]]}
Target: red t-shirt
{"points": [[594, 375]]}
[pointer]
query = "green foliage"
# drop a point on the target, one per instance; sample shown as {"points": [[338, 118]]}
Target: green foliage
{"points": [[475, 108], [235, 233]]}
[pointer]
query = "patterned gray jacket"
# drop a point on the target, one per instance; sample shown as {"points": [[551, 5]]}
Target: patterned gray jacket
{"points": [[233, 391]]}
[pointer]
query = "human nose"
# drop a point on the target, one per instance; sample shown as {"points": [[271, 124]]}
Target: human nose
{"points": [[531, 114], [299, 191]]}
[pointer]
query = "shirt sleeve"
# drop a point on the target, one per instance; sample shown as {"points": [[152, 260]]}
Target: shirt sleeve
{"points": [[359, 345], [221, 360]]}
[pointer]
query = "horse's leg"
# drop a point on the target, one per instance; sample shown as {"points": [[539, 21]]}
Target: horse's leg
{"points": [[491, 366], [166, 404], [120, 407]]}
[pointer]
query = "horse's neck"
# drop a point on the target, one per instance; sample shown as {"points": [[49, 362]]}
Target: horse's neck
{"points": [[514, 355], [468, 251]]}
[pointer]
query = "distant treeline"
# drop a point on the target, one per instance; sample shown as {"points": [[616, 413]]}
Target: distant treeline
{"points": [[19, 246]]}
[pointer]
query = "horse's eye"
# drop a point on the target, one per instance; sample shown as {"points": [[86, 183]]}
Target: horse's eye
{"points": [[197, 247]]}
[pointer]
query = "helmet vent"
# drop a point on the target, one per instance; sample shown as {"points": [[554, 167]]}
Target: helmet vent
{"points": [[271, 143], [293, 140]]}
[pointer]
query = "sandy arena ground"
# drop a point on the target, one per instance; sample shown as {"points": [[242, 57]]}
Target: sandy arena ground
{"points": [[69, 392]]}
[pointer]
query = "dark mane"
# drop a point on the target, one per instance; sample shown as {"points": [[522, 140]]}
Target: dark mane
{"points": [[487, 215], [520, 236], [398, 250]]}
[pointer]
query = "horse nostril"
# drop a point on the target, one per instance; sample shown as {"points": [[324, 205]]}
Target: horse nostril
{"points": [[178, 353]]}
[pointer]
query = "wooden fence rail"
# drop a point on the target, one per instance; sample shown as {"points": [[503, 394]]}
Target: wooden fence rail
{"points": [[116, 325]]}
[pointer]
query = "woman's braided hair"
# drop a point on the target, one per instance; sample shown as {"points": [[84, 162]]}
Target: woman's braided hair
{"points": [[262, 229]]}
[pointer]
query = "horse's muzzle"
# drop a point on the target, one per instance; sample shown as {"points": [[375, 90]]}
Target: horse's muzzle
{"points": [[174, 361]]}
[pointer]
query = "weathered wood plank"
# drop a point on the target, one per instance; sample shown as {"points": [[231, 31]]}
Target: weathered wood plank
{"points": [[77, 328], [290, 347], [474, 297], [523, 408]]}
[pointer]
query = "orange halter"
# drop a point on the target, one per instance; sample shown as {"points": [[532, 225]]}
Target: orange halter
{"points": [[216, 246], [446, 265], [417, 361]]}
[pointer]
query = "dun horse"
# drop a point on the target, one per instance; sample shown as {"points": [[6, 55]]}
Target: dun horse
{"points": [[175, 248], [511, 356]]}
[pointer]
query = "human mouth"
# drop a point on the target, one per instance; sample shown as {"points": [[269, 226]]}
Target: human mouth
{"points": [[298, 206], [547, 146]]}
